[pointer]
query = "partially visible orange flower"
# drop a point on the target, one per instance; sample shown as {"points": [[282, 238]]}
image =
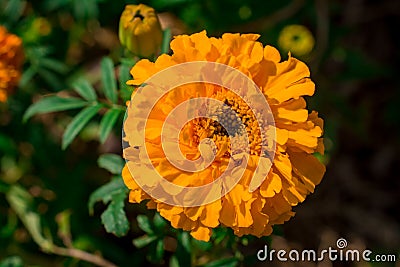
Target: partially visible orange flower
{"points": [[11, 59], [295, 171]]}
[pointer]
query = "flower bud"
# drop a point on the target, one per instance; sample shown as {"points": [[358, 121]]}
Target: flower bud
{"points": [[296, 39], [140, 31]]}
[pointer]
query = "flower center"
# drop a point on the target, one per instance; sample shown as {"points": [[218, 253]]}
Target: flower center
{"points": [[228, 123], [138, 15]]}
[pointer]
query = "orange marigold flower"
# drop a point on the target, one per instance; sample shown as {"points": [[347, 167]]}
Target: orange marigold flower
{"points": [[294, 172], [11, 59]]}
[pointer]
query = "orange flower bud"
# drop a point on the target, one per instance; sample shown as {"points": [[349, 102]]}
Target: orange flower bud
{"points": [[140, 31]]}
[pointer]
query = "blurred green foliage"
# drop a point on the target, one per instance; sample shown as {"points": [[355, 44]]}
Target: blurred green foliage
{"points": [[71, 99]]}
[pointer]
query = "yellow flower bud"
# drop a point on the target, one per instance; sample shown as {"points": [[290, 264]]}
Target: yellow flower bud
{"points": [[297, 39], [140, 31]]}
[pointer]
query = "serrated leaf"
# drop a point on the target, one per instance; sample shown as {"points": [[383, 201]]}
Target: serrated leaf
{"points": [[77, 124], [144, 224], [107, 123], [166, 41], [227, 262], [85, 89], [105, 192], [143, 241], [52, 104], [108, 80], [114, 217], [111, 162]]}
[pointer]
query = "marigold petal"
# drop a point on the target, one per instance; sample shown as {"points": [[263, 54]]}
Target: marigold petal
{"points": [[210, 215], [271, 54], [271, 186], [201, 233], [308, 166]]}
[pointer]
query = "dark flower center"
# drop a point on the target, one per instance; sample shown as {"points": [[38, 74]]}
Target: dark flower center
{"points": [[138, 15]]}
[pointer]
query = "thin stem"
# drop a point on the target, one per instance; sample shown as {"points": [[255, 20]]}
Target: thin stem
{"points": [[82, 255]]}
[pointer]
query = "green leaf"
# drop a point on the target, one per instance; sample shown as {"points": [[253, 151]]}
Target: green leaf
{"points": [[50, 77], [166, 41], [173, 261], [107, 123], [27, 76], [54, 4], [184, 241], [85, 89], [13, 261], [204, 246], [52, 104], [124, 76], [159, 252], [54, 65], [143, 241], [111, 162], [108, 80], [63, 220], [114, 217], [227, 262], [159, 222], [20, 201], [183, 251], [144, 224], [77, 124], [14, 10], [105, 192]]}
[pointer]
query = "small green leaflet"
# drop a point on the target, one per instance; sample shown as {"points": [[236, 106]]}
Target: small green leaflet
{"points": [[52, 104], [105, 192], [144, 224], [108, 80], [111, 162], [107, 123], [143, 241], [77, 124], [85, 89], [114, 217]]}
